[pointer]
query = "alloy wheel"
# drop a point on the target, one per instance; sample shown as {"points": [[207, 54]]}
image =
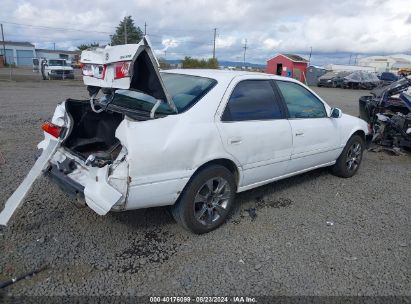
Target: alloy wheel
{"points": [[211, 200], [353, 156]]}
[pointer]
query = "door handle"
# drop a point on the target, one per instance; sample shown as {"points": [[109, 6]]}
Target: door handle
{"points": [[234, 140], [299, 133]]}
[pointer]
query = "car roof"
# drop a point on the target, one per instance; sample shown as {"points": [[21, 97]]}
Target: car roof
{"points": [[221, 75]]}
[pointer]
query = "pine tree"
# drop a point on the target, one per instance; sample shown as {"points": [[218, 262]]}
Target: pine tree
{"points": [[134, 34], [86, 46]]}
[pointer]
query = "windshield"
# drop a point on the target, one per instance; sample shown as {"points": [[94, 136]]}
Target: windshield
{"points": [[185, 91], [57, 62]]}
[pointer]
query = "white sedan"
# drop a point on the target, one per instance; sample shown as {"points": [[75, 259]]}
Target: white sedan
{"points": [[190, 139]]}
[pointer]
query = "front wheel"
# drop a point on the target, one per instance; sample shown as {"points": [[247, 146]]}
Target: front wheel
{"points": [[349, 161], [206, 201]]}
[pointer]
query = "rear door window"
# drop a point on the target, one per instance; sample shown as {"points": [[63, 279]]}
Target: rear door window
{"points": [[252, 100], [300, 102]]}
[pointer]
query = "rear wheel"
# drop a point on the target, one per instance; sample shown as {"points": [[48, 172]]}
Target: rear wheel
{"points": [[349, 161], [207, 200]]}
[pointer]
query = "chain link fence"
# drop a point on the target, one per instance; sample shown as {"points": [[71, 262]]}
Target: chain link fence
{"points": [[15, 73]]}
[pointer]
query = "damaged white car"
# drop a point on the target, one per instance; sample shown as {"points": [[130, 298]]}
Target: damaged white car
{"points": [[190, 139]]}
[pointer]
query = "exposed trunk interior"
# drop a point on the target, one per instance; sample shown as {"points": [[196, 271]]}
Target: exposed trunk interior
{"points": [[93, 133]]}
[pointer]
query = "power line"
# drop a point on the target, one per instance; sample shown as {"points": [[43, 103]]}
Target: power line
{"points": [[52, 39], [168, 29], [183, 30], [183, 41], [54, 28], [99, 32]]}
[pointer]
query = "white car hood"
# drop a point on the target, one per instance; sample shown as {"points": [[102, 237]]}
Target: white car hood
{"points": [[59, 67]]}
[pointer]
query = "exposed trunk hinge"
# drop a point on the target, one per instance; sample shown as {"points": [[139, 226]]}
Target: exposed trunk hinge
{"points": [[153, 110]]}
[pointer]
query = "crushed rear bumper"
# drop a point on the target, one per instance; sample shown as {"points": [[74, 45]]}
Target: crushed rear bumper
{"points": [[65, 183]]}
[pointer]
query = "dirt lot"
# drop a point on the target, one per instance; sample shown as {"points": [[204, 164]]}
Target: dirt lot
{"points": [[288, 249]]}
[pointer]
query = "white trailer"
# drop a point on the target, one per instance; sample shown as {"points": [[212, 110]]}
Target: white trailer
{"points": [[343, 67]]}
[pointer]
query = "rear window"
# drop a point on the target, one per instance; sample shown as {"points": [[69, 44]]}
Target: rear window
{"points": [[186, 90]]}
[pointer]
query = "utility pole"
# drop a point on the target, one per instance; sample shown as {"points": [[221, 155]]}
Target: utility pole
{"points": [[54, 46], [145, 28], [245, 50], [4, 44], [349, 62], [125, 30], [215, 36], [309, 59]]}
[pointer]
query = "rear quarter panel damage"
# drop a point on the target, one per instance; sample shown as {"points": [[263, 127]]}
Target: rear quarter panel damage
{"points": [[163, 154]]}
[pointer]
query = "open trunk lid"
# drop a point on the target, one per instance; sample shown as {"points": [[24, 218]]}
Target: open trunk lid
{"points": [[128, 66]]}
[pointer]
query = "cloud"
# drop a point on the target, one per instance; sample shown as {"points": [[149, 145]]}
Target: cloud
{"points": [[169, 43], [271, 44], [185, 28], [227, 42]]}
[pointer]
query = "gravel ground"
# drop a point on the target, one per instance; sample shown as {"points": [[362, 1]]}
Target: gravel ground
{"points": [[287, 249]]}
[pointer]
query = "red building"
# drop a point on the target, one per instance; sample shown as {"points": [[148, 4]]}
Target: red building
{"points": [[288, 65]]}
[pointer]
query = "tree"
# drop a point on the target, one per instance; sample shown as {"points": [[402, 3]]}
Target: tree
{"points": [[86, 46], [212, 63], [191, 63], [134, 34]]}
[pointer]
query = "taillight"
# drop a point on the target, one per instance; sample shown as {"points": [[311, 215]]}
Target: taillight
{"points": [[122, 69], [94, 70], [51, 129]]}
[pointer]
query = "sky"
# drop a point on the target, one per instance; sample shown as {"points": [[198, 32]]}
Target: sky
{"points": [[335, 30]]}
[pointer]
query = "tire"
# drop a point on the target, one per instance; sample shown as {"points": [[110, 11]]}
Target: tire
{"points": [[350, 159], [200, 209]]}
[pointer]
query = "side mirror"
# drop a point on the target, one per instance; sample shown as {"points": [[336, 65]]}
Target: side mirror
{"points": [[336, 113]]}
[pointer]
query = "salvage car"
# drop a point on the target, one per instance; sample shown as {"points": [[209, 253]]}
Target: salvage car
{"points": [[189, 139], [388, 77], [360, 80], [388, 112], [333, 79]]}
